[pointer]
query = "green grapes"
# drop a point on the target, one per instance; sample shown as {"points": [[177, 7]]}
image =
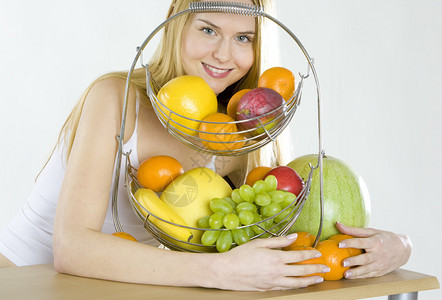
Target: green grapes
{"points": [[263, 199], [241, 215], [259, 186], [216, 220], [277, 196], [247, 193], [256, 228], [209, 237], [246, 217], [203, 222], [224, 241], [276, 228], [246, 206], [282, 215], [220, 205], [249, 231], [288, 199], [231, 202], [271, 183], [231, 221], [270, 210], [240, 236], [236, 196]]}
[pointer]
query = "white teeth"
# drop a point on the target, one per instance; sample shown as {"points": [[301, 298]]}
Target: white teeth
{"points": [[218, 71]]}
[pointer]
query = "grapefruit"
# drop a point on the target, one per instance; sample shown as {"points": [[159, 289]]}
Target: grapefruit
{"points": [[186, 97]]}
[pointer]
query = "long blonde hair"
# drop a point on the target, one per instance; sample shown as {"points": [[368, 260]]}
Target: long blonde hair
{"points": [[166, 64]]}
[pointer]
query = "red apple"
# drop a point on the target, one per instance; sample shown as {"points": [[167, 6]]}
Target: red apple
{"points": [[288, 179], [259, 102]]}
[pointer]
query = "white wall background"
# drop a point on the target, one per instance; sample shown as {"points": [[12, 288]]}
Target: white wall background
{"points": [[379, 64]]}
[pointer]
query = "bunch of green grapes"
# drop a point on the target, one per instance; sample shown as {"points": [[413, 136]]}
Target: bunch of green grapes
{"points": [[234, 218]]}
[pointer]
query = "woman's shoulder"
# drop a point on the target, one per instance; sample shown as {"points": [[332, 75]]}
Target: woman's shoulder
{"points": [[108, 92], [106, 100], [109, 86]]}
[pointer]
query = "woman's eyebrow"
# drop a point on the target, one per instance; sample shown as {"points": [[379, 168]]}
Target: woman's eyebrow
{"points": [[217, 27], [208, 23]]}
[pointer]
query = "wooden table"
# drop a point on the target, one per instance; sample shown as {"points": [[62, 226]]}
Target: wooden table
{"points": [[43, 282]]}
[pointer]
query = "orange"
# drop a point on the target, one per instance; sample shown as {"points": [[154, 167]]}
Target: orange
{"points": [[317, 260], [333, 256], [125, 235], [186, 96], [304, 239], [340, 237], [256, 174], [219, 136], [233, 102], [279, 79], [157, 172]]}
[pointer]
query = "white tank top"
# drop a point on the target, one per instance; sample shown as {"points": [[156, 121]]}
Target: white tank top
{"points": [[27, 239]]}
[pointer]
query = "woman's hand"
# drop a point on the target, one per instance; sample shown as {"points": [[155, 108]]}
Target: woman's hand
{"points": [[384, 251], [260, 265]]}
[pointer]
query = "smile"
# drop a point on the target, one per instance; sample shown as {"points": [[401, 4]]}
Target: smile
{"points": [[216, 72]]}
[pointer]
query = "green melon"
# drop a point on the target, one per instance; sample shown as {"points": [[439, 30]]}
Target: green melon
{"points": [[346, 197]]}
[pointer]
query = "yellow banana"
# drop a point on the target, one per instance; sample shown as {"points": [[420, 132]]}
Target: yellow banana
{"points": [[150, 201]]}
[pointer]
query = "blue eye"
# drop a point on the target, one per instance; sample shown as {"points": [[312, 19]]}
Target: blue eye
{"points": [[243, 38], [208, 31]]}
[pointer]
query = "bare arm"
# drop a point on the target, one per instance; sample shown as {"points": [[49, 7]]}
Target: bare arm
{"points": [[81, 249], [384, 251]]}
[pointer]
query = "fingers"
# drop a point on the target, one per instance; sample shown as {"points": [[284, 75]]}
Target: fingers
{"points": [[366, 271], [362, 266], [384, 251], [359, 260], [297, 282], [257, 266], [361, 243], [295, 276], [356, 231], [285, 283], [290, 275], [295, 256], [290, 257], [272, 243], [285, 257], [304, 270]]}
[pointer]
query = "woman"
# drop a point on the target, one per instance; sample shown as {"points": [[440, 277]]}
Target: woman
{"points": [[69, 206]]}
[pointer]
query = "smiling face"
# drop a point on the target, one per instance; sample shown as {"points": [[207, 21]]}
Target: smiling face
{"points": [[218, 47]]}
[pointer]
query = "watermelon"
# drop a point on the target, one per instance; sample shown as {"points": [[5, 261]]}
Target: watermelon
{"points": [[346, 197]]}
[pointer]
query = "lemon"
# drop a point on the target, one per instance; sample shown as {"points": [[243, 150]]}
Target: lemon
{"points": [[186, 96]]}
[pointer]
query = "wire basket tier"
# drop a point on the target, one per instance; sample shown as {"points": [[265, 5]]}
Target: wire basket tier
{"points": [[236, 137], [267, 227]]}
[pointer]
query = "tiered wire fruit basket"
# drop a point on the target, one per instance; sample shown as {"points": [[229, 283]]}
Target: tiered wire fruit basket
{"points": [[192, 137]]}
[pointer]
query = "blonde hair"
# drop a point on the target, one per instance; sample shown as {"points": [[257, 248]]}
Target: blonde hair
{"points": [[166, 64]]}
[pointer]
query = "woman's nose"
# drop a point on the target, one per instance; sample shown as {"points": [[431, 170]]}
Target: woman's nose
{"points": [[222, 52]]}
